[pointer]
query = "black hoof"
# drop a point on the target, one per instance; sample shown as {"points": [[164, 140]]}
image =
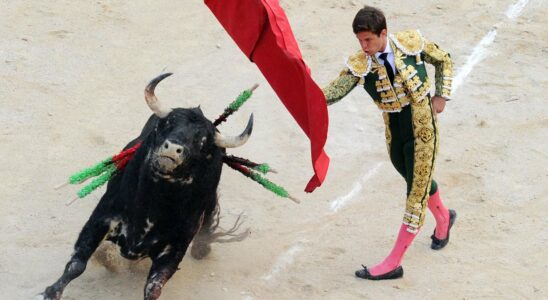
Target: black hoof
{"points": [[394, 274], [438, 244], [49, 294]]}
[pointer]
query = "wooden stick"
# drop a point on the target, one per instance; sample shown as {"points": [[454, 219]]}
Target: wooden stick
{"points": [[60, 185]]}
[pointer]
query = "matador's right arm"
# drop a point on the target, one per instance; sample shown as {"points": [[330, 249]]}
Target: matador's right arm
{"points": [[340, 87]]}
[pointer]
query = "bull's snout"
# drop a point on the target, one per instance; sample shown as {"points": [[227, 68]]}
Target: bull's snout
{"points": [[169, 156], [172, 148]]}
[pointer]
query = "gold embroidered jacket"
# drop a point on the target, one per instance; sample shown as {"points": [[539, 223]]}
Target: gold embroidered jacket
{"points": [[411, 87], [411, 82]]}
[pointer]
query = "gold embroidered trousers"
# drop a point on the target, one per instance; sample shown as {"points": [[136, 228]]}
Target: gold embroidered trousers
{"points": [[412, 140]]}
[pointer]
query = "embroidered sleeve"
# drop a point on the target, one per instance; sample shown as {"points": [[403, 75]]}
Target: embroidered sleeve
{"points": [[444, 68], [340, 87]]}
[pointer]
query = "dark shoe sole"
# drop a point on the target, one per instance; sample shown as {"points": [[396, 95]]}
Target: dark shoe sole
{"points": [[394, 274], [438, 244]]}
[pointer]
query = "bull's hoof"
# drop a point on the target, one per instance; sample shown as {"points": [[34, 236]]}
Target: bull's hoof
{"points": [[49, 294], [39, 297], [200, 250]]}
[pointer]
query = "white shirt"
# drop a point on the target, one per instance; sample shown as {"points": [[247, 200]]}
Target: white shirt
{"points": [[389, 57]]}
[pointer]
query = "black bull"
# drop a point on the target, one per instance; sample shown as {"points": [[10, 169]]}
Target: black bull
{"points": [[162, 199]]}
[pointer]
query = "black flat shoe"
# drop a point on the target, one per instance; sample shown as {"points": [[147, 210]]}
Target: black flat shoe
{"points": [[394, 274], [438, 244]]}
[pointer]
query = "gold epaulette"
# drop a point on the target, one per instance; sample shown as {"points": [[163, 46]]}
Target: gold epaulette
{"points": [[410, 42], [359, 64]]}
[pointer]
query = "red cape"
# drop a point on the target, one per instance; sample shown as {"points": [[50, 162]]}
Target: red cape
{"points": [[262, 31]]}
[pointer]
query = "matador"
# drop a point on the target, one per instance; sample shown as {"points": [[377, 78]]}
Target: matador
{"points": [[391, 68]]}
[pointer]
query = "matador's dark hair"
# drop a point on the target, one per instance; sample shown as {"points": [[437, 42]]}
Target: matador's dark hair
{"points": [[369, 19]]}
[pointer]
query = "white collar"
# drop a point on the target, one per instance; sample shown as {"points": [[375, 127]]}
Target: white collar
{"points": [[387, 49]]}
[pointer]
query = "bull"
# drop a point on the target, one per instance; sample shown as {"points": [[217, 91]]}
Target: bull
{"points": [[164, 197]]}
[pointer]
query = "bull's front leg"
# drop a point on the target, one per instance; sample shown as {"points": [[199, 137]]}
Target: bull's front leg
{"points": [[92, 234], [210, 232], [163, 267], [201, 244]]}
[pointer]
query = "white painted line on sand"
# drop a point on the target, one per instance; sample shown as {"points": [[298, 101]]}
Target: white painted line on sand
{"points": [[515, 10], [480, 51], [356, 188], [478, 54], [284, 260]]}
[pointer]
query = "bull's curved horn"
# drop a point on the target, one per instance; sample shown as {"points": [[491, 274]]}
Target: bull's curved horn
{"points": [[155, 105], [235, 141]]}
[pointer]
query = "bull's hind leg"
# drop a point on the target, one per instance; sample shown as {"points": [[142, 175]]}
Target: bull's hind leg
{"points": [[92, 234]]}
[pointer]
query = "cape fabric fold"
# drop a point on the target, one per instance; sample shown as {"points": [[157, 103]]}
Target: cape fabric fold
{"points": [[262, 31]]}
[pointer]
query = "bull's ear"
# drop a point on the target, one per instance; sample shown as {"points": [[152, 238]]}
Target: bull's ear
{"points": [[198, 109]]}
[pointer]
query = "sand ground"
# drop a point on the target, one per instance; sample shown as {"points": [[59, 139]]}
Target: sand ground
{"points": [[72, 78]]}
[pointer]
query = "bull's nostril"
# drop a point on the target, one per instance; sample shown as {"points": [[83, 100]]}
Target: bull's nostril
{"points": [[166, 145], [179, 150]]}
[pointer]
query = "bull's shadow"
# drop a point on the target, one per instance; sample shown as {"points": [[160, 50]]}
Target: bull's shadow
{"points": [[163, 199]]}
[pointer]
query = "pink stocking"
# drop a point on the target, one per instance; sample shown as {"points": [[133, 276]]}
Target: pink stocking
{"points": [[441, 213], [393, 260]]}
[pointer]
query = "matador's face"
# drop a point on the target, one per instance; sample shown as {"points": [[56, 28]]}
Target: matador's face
{"points": [[372, 43]]}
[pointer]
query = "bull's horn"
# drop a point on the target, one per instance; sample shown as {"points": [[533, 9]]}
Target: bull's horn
{"points": [[155, 105], [235, 141]]}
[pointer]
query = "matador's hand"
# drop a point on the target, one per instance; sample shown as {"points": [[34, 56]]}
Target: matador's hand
{"points": [[438, 104]]}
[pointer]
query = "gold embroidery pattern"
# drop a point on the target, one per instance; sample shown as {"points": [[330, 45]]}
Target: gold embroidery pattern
{"points": [[340, 87], [414, 83], [407, 72], [409, 42], [426, 144], [383, 84], [359, 64], [392, 98], [398, 81], [387, 133], [398, 61], [393, 106], [420, 94], [417, 89], [407, 87], [388, 96], [444, 68]]}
